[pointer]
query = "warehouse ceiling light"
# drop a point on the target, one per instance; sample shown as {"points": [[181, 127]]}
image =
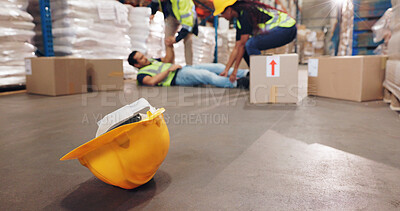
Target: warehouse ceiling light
{"points": [[339, 2]]}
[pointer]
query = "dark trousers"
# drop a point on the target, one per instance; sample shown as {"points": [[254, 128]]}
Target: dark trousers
{"points": [[277, 37]]}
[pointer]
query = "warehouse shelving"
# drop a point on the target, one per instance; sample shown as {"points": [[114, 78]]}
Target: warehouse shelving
{"points": [[45, 16], [366, 13]]}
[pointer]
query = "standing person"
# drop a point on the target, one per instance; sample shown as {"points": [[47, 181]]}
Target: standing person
{"points": [[178, 12], [259, 27]]}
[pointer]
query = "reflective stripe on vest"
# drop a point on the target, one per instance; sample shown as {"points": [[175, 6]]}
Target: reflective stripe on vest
{"points": [[279, 18], [185, 13], [157, 67]]}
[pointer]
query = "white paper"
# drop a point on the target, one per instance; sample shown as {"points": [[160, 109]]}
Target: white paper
{"points": [[313, 67], [28, 67], [273, 67], [106, 11]]}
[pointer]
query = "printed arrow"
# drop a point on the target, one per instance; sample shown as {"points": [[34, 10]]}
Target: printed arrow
{"points": [[273, 63]]}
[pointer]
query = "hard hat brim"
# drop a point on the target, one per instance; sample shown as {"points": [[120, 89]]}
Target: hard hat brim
{"points": [[104, 139], [221, 9], [217, 12]]}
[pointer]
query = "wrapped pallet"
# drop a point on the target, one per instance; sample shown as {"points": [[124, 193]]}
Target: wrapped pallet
{"points": [[309, 44], [139, 18], [155, 41], [346, 32], [16, 32], [392, 78], [89, 29], [204, 45], [179, 49], [226, 44]]}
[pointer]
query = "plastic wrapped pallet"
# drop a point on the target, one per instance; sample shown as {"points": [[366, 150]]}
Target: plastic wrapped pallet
{"points": [[179, 49], [155, 41], [392, 78], [346, 33], [204, 45], [394, 42], [309, 43], [88, 29], [139, 17], [226, 43], [381, 31], [16, 32]]}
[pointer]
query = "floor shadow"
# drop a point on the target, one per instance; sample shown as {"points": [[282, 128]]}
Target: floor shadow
{"points": [[97, 195]]}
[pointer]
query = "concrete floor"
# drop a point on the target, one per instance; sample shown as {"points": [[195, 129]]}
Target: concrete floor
{"points": [[225, 153]]}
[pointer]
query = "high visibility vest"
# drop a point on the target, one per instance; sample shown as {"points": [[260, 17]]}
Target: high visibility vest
{"points": [[279, 18], [157, 67], [185, 13]]}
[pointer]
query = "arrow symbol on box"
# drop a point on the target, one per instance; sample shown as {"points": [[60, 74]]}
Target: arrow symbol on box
{"points": [[273, 63]]}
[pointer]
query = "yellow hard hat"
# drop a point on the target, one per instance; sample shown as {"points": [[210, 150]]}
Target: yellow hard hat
{"points": [[126, 154], [220, 5]]}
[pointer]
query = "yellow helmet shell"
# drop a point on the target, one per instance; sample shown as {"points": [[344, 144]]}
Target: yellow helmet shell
{"points": [[221, 5], [127, 156]]}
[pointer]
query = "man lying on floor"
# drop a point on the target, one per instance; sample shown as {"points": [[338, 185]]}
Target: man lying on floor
{"points": [[160, 72]]}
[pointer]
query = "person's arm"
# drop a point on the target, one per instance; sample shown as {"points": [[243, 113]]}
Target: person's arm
{"points": [[169, 53], [152, 81], [239, 55], [236, 55], [181, 34]]}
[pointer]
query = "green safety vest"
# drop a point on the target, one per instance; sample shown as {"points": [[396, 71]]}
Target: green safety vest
{"points": [[157, 67], [185, 13], [279, 18]]}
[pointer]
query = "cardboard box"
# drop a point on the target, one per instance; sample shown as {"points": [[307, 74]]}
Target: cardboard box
{"points": [[105, 74], [55, 75], [355, 78], [274, 79], [364, 25]]}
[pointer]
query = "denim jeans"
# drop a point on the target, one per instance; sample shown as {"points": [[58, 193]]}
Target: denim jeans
{"points": [[206, 74], [277, 37]]}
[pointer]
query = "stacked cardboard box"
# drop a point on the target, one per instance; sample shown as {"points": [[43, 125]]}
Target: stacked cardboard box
{"points": [[56, 76], [392, 79], [310, 43]]}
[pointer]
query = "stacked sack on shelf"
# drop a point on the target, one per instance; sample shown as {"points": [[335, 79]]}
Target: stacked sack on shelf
{"points": [[204, 45], [155, 41], [89, 29], [392, 78], [16, 32], [179, 49], [139, 18]]}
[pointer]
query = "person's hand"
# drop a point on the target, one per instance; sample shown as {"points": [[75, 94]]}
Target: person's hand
{"points": [[174, 67], [169, 41], [233, 77], [225, 73]]}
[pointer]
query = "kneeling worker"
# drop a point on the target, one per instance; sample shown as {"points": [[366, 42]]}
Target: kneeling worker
{"points": [[161, 72]]}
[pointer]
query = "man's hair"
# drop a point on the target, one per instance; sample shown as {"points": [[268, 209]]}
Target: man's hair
{"points": [[131, 60]]}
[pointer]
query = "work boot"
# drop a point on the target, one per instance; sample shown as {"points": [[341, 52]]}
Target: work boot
{"points": [[243, 83]]}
